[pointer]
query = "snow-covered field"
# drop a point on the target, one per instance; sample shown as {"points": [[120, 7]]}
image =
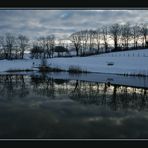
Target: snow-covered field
{"points": [[127, 62]]}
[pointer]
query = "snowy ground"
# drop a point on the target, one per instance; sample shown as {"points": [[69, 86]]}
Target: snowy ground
{"points": [[131, 62]]}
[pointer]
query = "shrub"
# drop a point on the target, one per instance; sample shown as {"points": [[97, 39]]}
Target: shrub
{"points": [[76, 69], [50, 69]]}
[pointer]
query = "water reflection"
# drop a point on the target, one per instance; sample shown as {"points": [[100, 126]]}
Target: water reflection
{"points": [[41, 107]]}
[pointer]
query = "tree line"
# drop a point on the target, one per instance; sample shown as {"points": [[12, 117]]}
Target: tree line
{"points": [[106, 38], [12, 46]]}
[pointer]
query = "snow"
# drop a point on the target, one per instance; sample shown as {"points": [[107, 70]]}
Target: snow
{"points": [[131, 62], [16, 64]]}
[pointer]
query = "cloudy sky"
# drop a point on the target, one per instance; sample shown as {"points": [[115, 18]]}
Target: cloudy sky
{"points": [[62, 23]]}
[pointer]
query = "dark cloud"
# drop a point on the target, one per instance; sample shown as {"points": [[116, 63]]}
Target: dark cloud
{"points": [[64, 22]]}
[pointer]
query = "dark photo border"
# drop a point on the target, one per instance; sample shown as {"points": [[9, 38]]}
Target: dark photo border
{"points": [[74, 4]]}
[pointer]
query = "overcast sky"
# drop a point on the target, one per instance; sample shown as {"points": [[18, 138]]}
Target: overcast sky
{"points": [[62, 23]]}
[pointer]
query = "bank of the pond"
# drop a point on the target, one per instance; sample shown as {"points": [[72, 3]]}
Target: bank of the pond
{"points": [[126, 63]]}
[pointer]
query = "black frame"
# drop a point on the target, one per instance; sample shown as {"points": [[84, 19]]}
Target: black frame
{"points": [[74, 4]]}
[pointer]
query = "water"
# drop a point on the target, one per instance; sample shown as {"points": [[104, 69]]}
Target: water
{"points": [[63, 106]]}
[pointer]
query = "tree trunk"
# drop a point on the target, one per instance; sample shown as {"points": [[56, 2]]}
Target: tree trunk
{"points": [[115, 44], [77, 51]]}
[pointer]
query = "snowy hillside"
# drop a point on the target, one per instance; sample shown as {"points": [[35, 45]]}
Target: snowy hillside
{"points": [[127, 62]]}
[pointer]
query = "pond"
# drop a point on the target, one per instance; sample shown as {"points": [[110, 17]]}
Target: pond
{"points": [[63, 106]]}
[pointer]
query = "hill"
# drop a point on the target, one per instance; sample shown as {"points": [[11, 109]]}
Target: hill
{"points": [[125, 62]]}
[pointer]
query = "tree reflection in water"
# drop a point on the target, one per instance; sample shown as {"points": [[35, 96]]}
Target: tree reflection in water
{"points": [[37, 106], [114, 96]]}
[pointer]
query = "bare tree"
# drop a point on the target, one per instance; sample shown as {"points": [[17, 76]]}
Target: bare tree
{"points": [[98, 39], [44, 46], [42, 43], [105, 37], [115, 33], [144, 33], [50, 45], [23, 43], [84, 38], [76, 40], [91, 39], [126, 35], [10, 43], [36, 51], [135, 32], [2, 45]]}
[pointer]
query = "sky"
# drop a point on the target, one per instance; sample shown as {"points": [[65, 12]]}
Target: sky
{"points": [[61, 23]]}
